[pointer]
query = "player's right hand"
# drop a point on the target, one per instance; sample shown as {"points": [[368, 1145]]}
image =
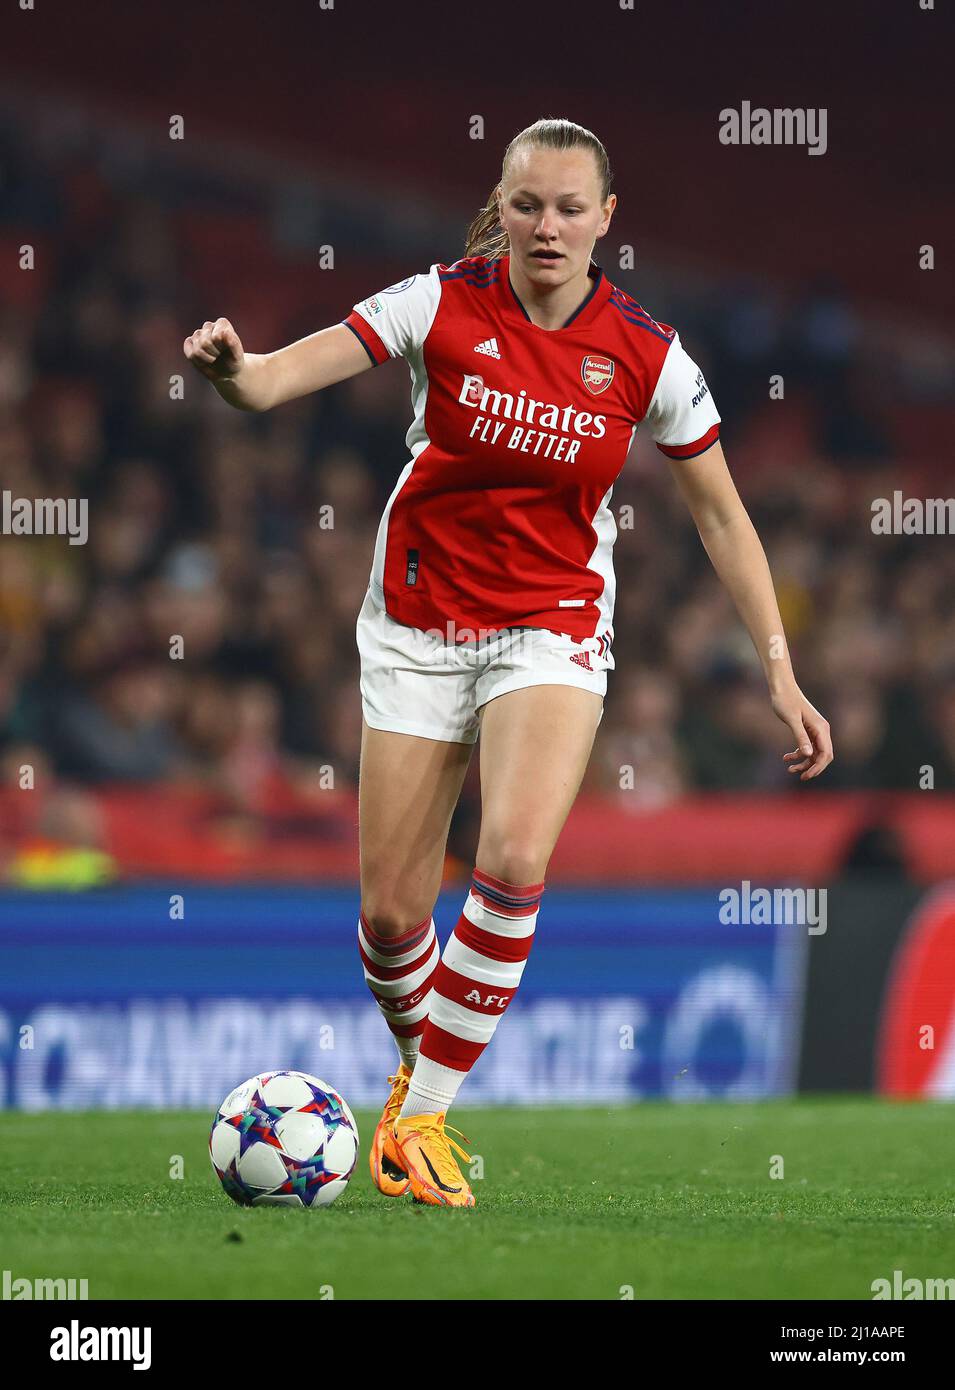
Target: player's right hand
{"points": [[215, 350]]}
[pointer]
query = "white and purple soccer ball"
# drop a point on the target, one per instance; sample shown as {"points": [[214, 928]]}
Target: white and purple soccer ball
{"points": [[284, 1139]]}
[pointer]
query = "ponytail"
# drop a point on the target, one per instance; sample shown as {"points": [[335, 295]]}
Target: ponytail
{"points": [[486, 236]]}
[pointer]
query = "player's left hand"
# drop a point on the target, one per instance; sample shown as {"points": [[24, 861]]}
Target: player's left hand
{"points": [[813, 751]]}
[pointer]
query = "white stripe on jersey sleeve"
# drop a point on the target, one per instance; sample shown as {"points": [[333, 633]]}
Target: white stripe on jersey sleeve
{"points": [[682, 409], [402, 314]]}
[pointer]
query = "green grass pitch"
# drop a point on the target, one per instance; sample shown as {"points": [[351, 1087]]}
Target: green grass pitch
{"points": [[671, 1201]]}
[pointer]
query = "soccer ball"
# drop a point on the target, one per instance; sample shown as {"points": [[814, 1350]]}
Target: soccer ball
{"points": [[284, 1139]]}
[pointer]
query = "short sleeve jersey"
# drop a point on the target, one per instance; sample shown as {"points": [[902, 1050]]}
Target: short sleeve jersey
{"points": [[501, 517]]}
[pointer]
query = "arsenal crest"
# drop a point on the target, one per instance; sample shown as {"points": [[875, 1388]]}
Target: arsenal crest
{"points": [[596, 373]]}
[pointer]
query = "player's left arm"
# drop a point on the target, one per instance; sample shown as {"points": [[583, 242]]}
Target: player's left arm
{"points": [[737, 555]]}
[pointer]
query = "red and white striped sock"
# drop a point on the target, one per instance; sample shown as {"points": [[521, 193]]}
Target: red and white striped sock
{"points": [[476, 980], [399, 971]]}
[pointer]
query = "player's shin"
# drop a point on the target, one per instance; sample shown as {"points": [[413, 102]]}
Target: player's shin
{"points": [[399, 971], [477, 978]]}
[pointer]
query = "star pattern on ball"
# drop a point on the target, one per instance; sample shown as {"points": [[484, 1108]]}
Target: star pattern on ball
{"points": [[232, 1184], [329, 1107], [305, 1179], [256, 1126]]}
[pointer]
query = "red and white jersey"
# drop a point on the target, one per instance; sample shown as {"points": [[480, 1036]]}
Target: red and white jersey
{"points": [[502, 517]]}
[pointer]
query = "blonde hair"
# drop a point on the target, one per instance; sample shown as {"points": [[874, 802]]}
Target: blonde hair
{"points": [[486, 236]]}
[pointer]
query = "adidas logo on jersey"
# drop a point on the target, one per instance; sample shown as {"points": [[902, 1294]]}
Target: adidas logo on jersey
{"points": [[488, 347]]}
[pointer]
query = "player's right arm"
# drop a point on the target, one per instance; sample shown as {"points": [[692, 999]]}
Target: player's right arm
{"points": [[259, 381]]}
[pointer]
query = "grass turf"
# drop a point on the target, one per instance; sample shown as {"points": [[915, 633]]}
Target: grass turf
{"points": [[674, 1201]]}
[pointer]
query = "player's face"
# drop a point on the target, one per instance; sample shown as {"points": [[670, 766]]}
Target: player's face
{"points": [[552, 213]]}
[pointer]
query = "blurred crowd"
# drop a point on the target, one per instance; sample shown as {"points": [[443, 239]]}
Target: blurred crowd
{"points": [[213, 527]]}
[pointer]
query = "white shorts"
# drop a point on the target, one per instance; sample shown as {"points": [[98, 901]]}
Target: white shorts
{"points": [[417, 682]]}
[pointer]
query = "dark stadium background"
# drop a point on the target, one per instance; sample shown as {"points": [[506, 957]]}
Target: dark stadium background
{"points": [[349, 127]]}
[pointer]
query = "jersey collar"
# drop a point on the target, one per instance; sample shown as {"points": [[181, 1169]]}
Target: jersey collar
{"points": [[586, 311]]}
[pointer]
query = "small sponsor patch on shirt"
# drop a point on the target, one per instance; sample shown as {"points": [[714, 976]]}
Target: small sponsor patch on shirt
{"points": [[373, 305], [571, 602]]}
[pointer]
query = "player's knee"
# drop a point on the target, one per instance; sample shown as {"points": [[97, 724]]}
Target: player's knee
{"points": [[391, 915], [513, 861]]}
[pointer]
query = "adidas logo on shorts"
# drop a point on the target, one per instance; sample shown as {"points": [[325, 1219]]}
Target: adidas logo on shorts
{"points": [[582, 659], [488, 347]]}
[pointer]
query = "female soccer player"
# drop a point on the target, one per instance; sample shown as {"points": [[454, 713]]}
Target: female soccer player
{"points": [[490, 603]]}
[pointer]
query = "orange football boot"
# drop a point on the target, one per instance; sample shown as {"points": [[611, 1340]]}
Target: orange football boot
{"points": [[425, 1154], [386, 1171]]}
